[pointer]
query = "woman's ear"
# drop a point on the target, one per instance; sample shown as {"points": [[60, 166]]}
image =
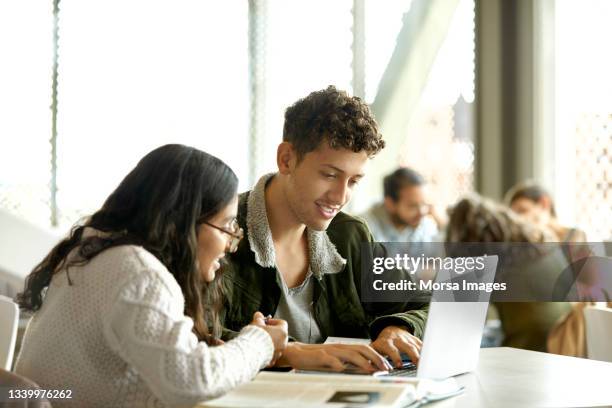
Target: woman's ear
{"points": [[285, 158]]}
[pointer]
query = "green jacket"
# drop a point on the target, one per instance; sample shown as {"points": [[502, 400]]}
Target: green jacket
{"points": [[337, 307]]}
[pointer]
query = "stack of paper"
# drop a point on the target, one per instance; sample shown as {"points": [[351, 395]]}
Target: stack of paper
{"points": [[316, 389], [271, 389]]}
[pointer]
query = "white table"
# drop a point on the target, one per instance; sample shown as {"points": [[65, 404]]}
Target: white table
{"points": [[508, 377]]}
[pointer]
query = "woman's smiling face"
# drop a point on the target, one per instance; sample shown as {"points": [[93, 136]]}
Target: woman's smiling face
{"points": [[212, 242]]}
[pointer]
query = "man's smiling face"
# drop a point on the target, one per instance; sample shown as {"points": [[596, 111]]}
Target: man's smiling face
{"points": [[322, 182]]}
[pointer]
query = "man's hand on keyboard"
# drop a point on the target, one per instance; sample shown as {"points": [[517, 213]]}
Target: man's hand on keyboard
{"points": [[394, 340], [334, 357]]}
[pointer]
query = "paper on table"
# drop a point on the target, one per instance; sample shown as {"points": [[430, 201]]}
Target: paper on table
{"points": [[306, 390], [272, 389]]}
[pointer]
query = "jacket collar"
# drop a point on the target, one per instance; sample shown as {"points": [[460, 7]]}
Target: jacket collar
{"points": [[324, 257]]}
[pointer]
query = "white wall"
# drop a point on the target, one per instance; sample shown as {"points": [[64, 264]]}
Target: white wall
{"points": [[22, 246]]}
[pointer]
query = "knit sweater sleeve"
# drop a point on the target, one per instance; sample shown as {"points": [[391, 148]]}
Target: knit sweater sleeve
{"points": [[147, 328]]}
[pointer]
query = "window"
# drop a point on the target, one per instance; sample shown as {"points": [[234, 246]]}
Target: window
{"points": [[383, 22], [25, 117], [583, 115], [132, 76], [214, 75], [307, 47], [155, 73], [439, 141]]}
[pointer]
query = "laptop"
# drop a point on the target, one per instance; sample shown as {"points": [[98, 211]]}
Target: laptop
{"points": [[453, 332]]}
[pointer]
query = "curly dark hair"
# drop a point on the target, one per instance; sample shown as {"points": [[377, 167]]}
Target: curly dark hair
{"points": [[343, 121], [475, 219], [478, 219]]}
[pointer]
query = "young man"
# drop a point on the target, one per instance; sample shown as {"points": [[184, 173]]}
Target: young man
{"points": [[300, 260], [404, 215]]}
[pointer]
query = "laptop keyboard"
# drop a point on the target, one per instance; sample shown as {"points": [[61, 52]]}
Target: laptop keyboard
{"points": [[403, 372], [409, 370]]}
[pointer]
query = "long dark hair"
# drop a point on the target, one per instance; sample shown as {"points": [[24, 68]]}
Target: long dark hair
{"points": [[156, 206]]}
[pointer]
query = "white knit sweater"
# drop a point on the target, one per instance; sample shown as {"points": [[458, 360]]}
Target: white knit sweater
{"points": [[118, 337]]}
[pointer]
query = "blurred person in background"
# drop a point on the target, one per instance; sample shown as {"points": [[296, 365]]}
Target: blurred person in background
{"points": [[535, 204], [525, 325], [405, 215]]}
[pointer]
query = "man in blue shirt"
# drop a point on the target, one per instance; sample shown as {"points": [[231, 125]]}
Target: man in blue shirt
{"points": [[404, 215]]}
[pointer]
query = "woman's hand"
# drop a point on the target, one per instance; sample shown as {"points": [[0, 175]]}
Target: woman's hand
{"points": [[277, 329], [333, 357]]}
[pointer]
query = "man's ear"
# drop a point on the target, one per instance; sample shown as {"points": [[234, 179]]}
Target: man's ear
{"points": [[389, 205], [286, 158]]}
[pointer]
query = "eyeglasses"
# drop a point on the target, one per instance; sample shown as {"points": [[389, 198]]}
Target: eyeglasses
{"points": [[419, 208], [236, 234]]}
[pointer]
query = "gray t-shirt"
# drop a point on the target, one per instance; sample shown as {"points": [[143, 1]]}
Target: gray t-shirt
{"points": [[296, 307]]}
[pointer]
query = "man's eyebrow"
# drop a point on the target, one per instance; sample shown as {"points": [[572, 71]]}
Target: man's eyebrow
{"points": [[339, 170]]}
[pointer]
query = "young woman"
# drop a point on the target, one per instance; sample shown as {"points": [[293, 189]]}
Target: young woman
{"points": [[126, 308], [536, 205], [525, 324]]}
